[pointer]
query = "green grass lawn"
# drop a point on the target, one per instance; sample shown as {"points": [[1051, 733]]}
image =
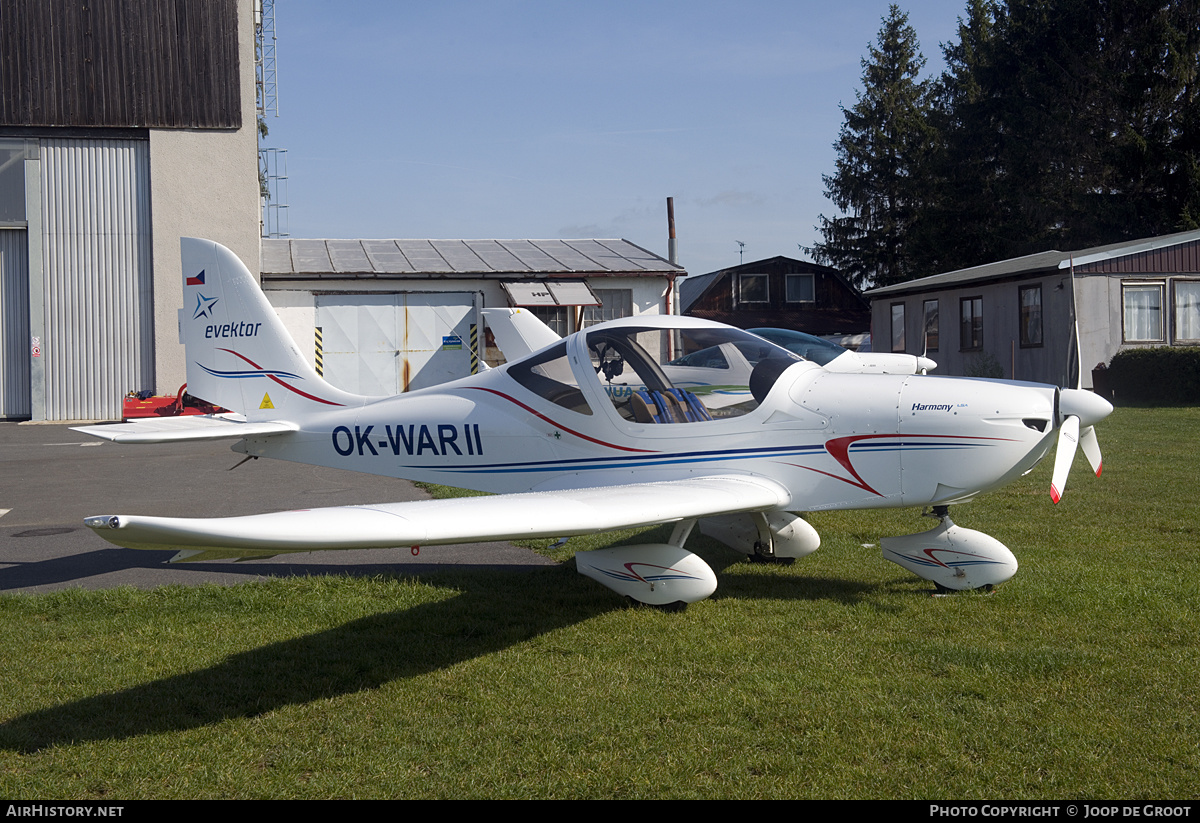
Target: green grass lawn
{"points": [[837, 677]]}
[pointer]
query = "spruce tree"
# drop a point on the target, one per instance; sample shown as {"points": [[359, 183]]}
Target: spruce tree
{"points": [[1072, 124], [960, 220], [882, 145]]}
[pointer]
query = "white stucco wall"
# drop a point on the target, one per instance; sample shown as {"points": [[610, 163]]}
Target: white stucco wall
{"points": [[203, 183], [296, 305]]}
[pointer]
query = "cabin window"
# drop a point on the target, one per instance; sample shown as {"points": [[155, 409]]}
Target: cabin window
{"points": [[1187, 311], [710, 358], [692, 375], [971, 314], [800, 288], [1143, 312], [1031, 315], [931, 325], [753, 288], [898, 327], [549, 375]]}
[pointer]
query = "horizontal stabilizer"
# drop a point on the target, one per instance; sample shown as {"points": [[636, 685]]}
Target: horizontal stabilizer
{"points": [[179, 429], [458, 520]]}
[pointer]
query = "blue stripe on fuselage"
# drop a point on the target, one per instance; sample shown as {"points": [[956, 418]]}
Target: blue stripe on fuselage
{"points": [[722, 455]]}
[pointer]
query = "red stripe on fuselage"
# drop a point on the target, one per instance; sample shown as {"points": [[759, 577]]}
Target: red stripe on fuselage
{"points": [[538, 414], [839, 450]]}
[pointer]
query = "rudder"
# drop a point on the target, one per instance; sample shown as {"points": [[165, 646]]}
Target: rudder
{"points": [[518, 332], [239, 355]]}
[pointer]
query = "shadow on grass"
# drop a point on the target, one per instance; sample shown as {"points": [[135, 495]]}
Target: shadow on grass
{"points": [[494, 611]]}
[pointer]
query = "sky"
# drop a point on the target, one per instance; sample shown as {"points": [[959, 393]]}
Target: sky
{"points": [[536, 119]]}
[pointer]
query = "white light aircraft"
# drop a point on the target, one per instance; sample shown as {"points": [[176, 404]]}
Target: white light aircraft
{"points": [[568, 454]]}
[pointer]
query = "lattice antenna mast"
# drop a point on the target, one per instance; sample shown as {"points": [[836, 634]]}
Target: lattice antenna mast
{"points": [[274, 176], [264, 47], [272, 163]]}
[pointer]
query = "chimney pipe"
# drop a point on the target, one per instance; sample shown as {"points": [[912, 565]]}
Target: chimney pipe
{"points": [[671, 255]]}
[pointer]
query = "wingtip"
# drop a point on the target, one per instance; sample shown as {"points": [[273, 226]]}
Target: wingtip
{"points": [[102, 521]]}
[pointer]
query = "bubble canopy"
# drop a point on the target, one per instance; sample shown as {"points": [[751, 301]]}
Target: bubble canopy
{"points": [[660, 369]]}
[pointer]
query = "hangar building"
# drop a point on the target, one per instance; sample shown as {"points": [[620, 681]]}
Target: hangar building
{"points": [[388, 316], [124, 124]]}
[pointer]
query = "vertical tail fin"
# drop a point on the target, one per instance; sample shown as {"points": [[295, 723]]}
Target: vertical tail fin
{"points": [[239, 355], [518, 332]]}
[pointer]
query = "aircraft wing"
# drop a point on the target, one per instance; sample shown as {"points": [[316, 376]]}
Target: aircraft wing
{"points": [[459, 520], [192, 427]]}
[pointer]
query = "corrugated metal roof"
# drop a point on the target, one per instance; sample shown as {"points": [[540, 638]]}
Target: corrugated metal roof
{"points": [[1038, 262], [691, 288], [276, 256], [310, 256], [291, 258]]}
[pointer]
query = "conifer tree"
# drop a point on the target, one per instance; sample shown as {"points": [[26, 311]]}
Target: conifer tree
{"points": [[960, 220], [1056, 124], [1066, 124], [882, 144]]}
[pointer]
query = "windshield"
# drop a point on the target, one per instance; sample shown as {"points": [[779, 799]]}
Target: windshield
{"points": [[684, 375], [807, 346]]}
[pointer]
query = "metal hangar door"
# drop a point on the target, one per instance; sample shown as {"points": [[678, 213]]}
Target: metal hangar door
{"points": [[388, 343]]}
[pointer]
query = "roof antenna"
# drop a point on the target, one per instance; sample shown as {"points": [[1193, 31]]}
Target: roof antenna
{"points": [[741, 250]]}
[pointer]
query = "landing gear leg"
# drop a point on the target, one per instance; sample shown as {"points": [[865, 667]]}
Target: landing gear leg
{"points": [[764, 546]]}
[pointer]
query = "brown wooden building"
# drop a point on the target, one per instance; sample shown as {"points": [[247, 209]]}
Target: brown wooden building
{"points": [[779, 292]]}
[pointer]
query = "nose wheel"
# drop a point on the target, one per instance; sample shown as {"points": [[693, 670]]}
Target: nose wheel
{"points": [[760, 556]]}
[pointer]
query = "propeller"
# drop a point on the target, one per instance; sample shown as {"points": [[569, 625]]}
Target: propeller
{"points": [[1076, 412], [1068, 439], [1091, 448], [924, 364]]}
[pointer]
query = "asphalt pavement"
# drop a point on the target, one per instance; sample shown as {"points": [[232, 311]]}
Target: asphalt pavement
{"points": [[52, 477]]}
